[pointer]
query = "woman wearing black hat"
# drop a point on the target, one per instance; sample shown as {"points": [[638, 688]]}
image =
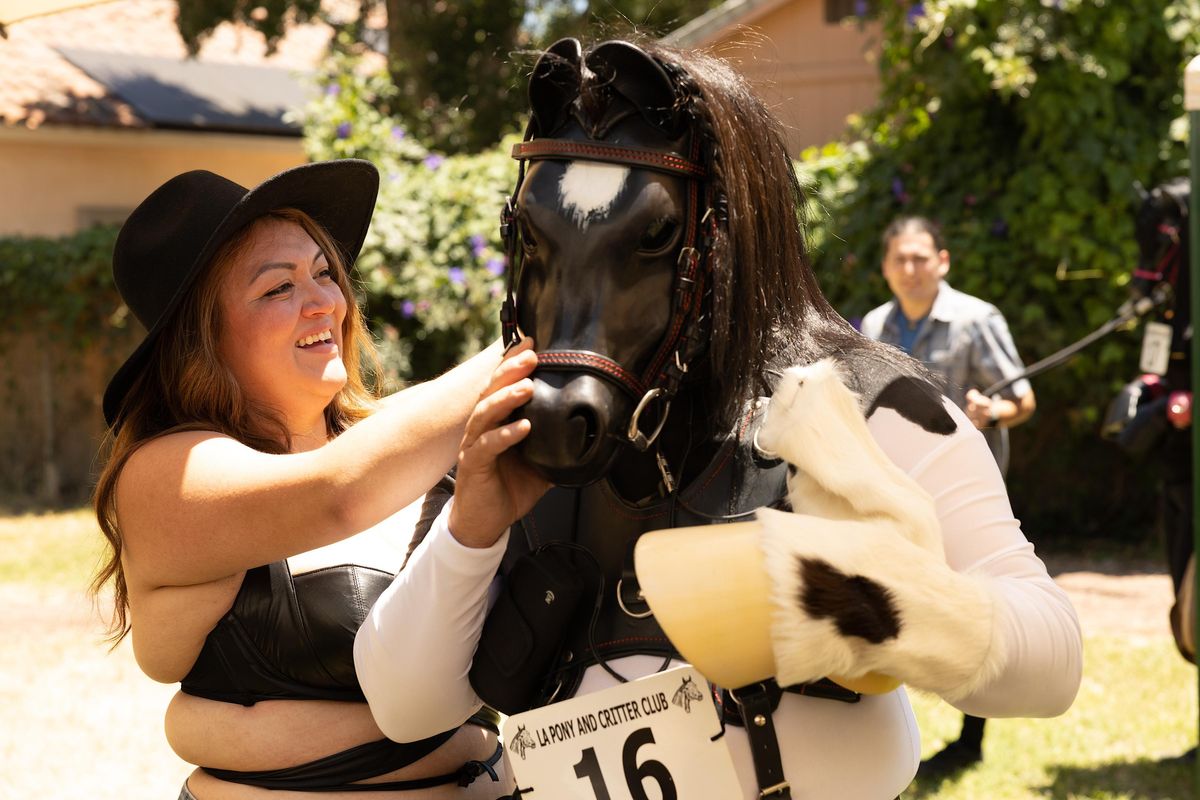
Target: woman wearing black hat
{"points": [[253, 491]]}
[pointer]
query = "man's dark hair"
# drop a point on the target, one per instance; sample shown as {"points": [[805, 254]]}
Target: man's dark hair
{"points": [[902, 225]]}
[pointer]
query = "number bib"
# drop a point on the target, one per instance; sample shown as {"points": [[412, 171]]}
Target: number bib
{"points": [[1156, 348], [649, 739]]}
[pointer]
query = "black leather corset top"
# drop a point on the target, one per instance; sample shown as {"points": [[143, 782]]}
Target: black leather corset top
{"points": [[288, 637]]}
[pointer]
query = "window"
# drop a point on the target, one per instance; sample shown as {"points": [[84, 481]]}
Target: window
{"points": [[87, 216], [838, 10]]}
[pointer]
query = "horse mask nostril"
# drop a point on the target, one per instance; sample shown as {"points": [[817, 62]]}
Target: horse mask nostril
{"points": [[585, 428]]}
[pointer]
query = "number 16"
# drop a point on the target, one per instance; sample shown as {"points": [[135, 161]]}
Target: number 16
{"points": [[589, 767]]}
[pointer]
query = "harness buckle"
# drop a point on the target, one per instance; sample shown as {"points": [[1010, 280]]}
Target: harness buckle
{"points": [[506, 220], [621, 603], [680, 365], [688, 253], [777, 789], [634, 434]]}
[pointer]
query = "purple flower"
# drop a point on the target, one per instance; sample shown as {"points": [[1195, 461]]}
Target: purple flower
{"points": [[478, 245], [861, 8], [915, 12], [457, 276], [897, 188], [856, 323], [343, 130], [1000, 228], [433, 161], [407, 309], [494, 265], [398, 132], [333, 90]]}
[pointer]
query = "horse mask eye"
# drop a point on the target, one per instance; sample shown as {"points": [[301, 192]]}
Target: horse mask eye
{"points": [[528, 240], [658, 236]]}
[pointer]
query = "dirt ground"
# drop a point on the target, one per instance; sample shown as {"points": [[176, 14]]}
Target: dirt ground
{"points": [[78, 721]]}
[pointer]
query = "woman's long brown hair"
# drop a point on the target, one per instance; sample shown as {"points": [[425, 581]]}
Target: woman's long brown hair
{"points": [[185, 386]]}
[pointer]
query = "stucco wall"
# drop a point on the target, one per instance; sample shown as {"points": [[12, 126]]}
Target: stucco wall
{"points": [[813, 74], [50, 418], [48, 175]]}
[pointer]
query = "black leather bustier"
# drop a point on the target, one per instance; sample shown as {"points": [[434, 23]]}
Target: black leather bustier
{"points": [[288, 637], [734, 483]]}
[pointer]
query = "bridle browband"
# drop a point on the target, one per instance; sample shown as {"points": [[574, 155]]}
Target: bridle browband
{"points": [[662, 377], [628, 155]]}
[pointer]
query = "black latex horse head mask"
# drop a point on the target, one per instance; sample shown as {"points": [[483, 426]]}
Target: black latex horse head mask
{"points": [[1161, 230], [606, 235]]}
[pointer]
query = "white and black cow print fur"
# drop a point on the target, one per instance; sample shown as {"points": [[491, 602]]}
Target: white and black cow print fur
{"points": [[858, 574]]}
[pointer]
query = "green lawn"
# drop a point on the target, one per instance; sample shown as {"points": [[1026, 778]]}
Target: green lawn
{"points": [[50, 549], [1137, 705]]}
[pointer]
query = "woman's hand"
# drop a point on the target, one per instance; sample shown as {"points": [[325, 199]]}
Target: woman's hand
{"points": [[494, 487]]}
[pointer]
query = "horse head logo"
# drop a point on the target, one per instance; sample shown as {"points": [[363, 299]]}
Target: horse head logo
{"points": [[522, 740], [687, 693]]}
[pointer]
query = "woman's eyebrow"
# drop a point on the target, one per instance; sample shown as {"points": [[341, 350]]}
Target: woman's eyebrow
{"points": [[288, 265]]}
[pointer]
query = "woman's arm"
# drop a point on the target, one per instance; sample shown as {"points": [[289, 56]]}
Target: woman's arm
{"points": [[197, 507], [414, 650]]}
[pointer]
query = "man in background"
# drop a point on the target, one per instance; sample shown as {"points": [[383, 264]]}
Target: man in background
{"points": [[966, 341]]}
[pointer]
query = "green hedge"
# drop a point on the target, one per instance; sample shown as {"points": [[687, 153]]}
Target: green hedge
{"points": [[1021, 126], [62, 287], [432, 268]]}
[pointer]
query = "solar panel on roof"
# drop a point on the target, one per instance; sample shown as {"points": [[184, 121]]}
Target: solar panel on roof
{"points": [[197, 95]]}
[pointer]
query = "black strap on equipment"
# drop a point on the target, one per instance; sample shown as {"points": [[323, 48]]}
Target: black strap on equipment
{"points": [[757, 704]]}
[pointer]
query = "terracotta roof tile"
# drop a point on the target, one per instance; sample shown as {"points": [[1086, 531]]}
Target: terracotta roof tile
{"points": [[38, 85]]}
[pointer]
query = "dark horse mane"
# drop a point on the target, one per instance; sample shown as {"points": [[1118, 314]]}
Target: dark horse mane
{"points": [[766, 310]]}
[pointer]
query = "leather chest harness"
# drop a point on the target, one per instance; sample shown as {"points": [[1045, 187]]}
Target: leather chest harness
{"points": [[599, 529], [597, 520]]}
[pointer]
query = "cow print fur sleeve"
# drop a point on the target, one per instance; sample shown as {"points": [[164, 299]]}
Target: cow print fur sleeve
{"points": [[858, 573]]}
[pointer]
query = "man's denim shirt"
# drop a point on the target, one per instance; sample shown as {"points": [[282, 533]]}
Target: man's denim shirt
{"points": [[964, 340]]}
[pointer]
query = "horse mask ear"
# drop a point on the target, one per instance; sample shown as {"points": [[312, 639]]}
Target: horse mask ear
{"points": [[634, 74], [554, 85]]}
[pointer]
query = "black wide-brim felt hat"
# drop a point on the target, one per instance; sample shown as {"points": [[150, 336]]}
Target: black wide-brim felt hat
{"points": [[170, 239]]}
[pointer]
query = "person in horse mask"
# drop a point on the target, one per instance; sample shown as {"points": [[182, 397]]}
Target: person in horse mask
{"points": [[254, 493], [1151, 418], [659, 260], [966, 341]]}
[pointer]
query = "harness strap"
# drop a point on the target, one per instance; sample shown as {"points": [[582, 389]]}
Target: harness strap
{"points": [[658, 160], [585, 361], [1160, 269], [756, 705]]}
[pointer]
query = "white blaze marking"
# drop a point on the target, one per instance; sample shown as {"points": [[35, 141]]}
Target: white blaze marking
{"points": [[588, 189]]}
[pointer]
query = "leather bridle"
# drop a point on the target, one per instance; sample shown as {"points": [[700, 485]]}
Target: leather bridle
{"points": [[683, 340]]}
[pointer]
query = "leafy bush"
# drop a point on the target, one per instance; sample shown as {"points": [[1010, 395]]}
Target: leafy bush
{"points": [[1021, 126], [432, 267], [63, 287]]}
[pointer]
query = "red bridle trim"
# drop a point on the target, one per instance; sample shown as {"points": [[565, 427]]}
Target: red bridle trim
{"points": [[593, 362], [646, 158]]}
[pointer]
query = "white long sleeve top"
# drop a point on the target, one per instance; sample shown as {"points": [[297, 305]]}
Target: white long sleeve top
{"points": [[414, 651]]}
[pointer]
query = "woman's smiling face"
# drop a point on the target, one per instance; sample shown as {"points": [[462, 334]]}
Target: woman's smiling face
{"points": [[282, 312]]}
